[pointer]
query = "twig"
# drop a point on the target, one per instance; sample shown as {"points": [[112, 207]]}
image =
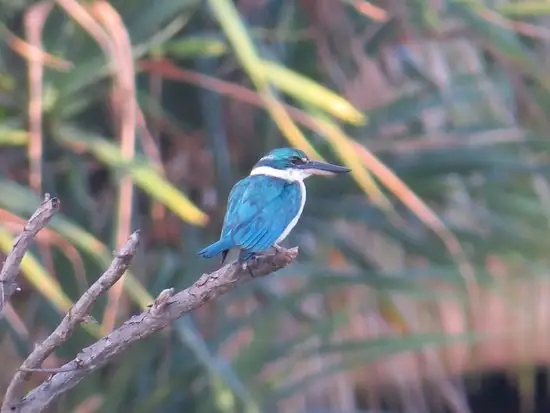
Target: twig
{"points": [[166, 309], [77, 314], [34, 20], [123, 100], [48, 207], [44, 370]]}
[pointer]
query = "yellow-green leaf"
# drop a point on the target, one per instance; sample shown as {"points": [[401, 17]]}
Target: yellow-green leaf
{"points": [[344, 147], [307, 90], [192, 46], [228, 17], [525, 9], [13, 137], [230, 21]]}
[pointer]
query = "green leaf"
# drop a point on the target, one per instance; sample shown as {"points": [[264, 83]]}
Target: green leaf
{"points": [[191, 47]]}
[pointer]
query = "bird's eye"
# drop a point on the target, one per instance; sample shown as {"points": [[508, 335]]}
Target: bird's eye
{"points": [[297, 160]]}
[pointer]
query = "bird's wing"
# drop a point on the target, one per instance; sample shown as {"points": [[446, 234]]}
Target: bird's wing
{"points": [[259, 210], [232, 215]]}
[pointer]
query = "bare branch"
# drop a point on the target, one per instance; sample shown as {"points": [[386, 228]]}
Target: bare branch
{"points": [[48, 207], [43, 370], [166, 309], [77, 314]]}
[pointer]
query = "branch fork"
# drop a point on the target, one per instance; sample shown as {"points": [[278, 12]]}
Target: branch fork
{"points": [[165, 309]]}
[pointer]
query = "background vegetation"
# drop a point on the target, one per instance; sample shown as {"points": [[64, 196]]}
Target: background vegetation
{"points": [[428, 263]]}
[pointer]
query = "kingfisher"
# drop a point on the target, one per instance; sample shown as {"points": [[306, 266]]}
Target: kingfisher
{"points": [[265, 206]]}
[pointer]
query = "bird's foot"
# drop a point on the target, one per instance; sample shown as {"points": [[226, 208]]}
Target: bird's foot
{"points": [[249, 263], [224, 256], [278, 249]]}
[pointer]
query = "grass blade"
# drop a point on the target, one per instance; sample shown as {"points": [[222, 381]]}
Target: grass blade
{"points": [[228, 17], [307, 90]]}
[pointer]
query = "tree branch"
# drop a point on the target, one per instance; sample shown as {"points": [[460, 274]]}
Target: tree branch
{"points": [[166, 309], [48, 207], [77, 314]]}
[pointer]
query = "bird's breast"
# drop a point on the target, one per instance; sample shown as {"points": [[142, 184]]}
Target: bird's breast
{"points": [[294, 221]]}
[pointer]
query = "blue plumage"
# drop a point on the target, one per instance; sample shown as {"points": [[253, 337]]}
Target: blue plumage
{"points": [[264, 207], [259, 210]]}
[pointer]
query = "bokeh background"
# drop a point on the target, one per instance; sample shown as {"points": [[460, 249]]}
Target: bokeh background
{"points": [[422, 280]]}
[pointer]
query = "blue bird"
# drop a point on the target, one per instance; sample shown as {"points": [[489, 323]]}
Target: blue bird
{"points": [[266, 205]]}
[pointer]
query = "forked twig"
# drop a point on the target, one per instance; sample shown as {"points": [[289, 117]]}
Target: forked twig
{"points": [[166, 309], [76, 315]]}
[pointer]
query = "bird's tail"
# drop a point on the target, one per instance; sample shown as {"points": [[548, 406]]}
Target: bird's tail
{"points": [[216, 248]]}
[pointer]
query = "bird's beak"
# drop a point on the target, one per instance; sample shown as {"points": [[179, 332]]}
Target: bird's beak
{"points": [[323, 168]]}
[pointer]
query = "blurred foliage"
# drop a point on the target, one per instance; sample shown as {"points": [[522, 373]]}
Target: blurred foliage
{"points": [[142, 114]]}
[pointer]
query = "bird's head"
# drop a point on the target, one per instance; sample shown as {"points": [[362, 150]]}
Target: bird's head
{"points": [[293, 164]]}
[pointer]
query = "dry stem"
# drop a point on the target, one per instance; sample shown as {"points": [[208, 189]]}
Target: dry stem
{"points": [[166, 309], [77, 314]]}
